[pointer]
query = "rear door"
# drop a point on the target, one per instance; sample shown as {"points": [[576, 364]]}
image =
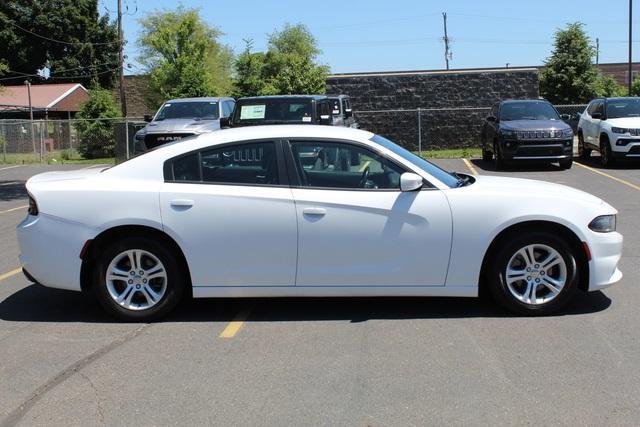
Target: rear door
{"points": [[232, 212], [356, 228]]}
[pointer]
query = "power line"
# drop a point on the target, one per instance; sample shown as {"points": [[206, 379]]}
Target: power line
{"points": [[9, 21], [55, 71]]}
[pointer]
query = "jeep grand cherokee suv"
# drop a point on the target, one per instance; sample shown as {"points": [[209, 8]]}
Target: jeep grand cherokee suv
{"points": [[528, 129], [612, 127], [180, 118]]}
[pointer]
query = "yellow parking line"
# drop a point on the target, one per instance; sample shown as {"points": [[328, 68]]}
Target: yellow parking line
{"points": [[621, 181], [470, 166], [234, 326], [14, 209], [10, 273]]}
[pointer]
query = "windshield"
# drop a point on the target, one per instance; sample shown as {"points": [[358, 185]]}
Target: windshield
{"points": [[205, 110], [623, 107], [442, 175], [279, 111], [530, 110]]}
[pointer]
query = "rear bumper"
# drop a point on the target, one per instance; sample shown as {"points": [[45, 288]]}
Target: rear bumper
{"points": [[537, 150]]}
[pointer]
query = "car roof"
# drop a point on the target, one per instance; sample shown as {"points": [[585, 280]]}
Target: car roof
{"points": [[514, 101], [267, 97], [203, 98]]}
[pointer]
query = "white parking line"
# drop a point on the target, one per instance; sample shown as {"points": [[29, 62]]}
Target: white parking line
{"points": [[14, 209], [10, 167]]}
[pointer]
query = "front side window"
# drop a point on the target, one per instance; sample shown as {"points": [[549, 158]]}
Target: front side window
{"points": [[253, 163], [323, 164], [599, 107], [204, 110]]}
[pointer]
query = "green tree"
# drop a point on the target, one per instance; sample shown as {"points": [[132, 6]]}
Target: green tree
{"points": [[183, 57], [66, 37], [569, 76], [635, 87], [95, 129], [288, 67], [608, 86]]}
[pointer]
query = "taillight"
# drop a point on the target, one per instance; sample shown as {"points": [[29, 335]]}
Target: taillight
{"points": [[33, 206]]}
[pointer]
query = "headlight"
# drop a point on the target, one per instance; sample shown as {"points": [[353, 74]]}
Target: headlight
{"points": [[618, 130], [508, 133], [603, 224], [567, 133]]}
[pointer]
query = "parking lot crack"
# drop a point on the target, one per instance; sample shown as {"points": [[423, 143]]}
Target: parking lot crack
{"points": [[16, 415], [95, 392]]}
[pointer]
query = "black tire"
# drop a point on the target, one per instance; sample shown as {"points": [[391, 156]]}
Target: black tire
{"points": [[498, 162], [583, 152], [497, 274], [565, 164], [174, 284], [606, 158], [487, 155]]}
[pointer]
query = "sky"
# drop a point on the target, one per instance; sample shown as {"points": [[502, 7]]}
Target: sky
{"points": [[375, 35]]}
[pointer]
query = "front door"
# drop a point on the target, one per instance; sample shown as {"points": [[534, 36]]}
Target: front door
{"points": [[356, 228]]}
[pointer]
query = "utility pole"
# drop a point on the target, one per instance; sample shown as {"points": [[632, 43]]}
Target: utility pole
{"points": [[630, 59], [597, 51], [33, 138], [447, 54], [123, 100]]}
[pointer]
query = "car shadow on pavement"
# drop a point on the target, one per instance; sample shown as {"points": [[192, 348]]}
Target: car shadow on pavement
{"points": [[519, 167], [36, 303], [594, 162], [12, 190]]}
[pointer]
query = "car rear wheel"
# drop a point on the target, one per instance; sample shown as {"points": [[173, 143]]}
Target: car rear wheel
{"points": [[138, 279], [533, 274], [487, 156], [583, 152]]}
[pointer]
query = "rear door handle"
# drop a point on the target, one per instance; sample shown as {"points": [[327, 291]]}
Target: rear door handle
{"points": [[181, 203], [314, 211]]}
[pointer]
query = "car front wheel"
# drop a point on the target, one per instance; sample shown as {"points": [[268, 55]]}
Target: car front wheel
{"points": [[533, 274], [138, 279], [498, 162], [583, 152], [606, 158], [566, 164]]}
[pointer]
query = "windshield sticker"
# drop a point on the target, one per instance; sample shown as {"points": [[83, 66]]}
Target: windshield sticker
{"points": [[306, 119], [248, 112]]}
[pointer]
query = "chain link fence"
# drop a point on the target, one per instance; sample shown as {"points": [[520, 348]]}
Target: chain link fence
{"points": [[426, 129], [420, 129], [26, 141]]}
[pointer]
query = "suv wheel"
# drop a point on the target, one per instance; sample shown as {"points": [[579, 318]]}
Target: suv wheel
{"points": [[487, 155], [498, 162], [583, 152], [565, 164], [138, 279], [533, 274], [605, 153]]}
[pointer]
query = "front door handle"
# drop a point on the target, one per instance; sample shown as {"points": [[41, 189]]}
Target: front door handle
{"points": [[314, 211], [181, 203]]}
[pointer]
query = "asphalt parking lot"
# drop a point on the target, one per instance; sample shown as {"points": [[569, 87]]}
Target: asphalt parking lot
{"points": [[363, 362]]}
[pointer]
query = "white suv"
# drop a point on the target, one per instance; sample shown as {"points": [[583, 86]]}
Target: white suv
{"points": [[612, 127]]}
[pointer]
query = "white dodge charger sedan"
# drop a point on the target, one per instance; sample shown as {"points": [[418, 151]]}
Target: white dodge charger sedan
{"points": [[310, 211]]}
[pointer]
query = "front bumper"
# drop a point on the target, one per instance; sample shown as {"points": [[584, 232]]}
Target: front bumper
{"points": [[606, 251], [551, 150], [626, 147]]}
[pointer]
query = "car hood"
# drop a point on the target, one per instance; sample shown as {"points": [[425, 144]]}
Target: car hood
{"points": [[519, 187], [624, 122], [534, 125], [181, 125]]}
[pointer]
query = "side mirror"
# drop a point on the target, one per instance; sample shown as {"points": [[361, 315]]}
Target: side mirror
{"points": [[225, 122], [565, 117], [492, 119], [147, 117], [410, 182], [348, 113], [596, 116]]}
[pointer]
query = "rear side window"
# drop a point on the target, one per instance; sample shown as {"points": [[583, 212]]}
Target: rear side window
{"points": [[227, 108], [252, 163]]}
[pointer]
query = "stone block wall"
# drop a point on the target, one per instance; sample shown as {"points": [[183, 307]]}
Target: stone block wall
{"points": [[453, 104]]}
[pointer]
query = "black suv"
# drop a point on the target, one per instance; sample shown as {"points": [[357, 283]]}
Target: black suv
{"points": [[280, 109], [341, 111], [529, 129]]}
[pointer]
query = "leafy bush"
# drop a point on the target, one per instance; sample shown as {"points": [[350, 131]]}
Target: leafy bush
{"points": [[95, 129]]}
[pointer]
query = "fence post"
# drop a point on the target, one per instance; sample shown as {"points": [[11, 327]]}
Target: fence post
{"points": [[126, 137], [419, 133], [4, 143]]}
